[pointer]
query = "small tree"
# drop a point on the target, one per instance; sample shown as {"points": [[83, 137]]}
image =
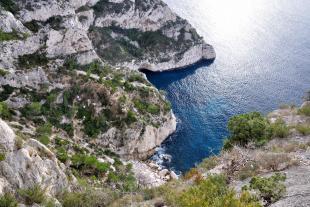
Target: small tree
{"points": [[245, 128]]}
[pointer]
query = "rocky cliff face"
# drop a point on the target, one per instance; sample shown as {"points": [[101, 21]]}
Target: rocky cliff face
{"points": [[28, 163], [45, 45], [141, 34], [73, 97]]}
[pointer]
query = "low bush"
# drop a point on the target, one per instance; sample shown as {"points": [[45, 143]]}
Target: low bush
{"points": [[87, 198], [253, 127], [5, 112], [33, 26], [89, 165], [33, 195], [131, 117], [279, 129], [303, 129], [153, 109], [249, 127], [62, 154], [3, 72], [305, 110], [2, 157], [32, 109], [8, 200], [214, 192], [269, 189], [32, 60]]}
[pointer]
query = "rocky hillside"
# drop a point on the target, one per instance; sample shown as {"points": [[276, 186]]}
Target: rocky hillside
{"points": [[266, 163], [75, 109]]}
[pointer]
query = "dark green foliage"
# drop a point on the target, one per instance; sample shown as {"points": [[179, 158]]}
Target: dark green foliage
{"points": [[147, 107], [5, 112], [251, 127], [153, 109], [131, 117], [62, 154], [68, 128], [105, 6], [8, 200], [93, 124], [9, 5], [33, 26], [43, 133], [71, 63], [32, 109], [32, 60], [33, 195], [55, 22], [89, 165], [7, 91], [270, 189]]}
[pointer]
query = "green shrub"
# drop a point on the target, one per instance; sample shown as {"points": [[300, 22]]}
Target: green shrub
{"points": [[304, 110], [269, 189], [87, 198], [43, 133], [2, 157], [44, 139], [32, 60], [253, 127], [303, 129], [44, 129], [153, 109], [62, 154], [33, 195], [214, 192], [8, 200], [89, 165], [3, 72], [131, 117], [279, 129], [33, 109], [167, 106], [93, 124], [5, 112], [33, 26]]}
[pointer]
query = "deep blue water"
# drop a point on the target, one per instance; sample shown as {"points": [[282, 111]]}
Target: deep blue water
{"points": [[263, 61]]}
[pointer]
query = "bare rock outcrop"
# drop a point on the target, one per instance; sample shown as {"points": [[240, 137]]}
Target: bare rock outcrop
{"points": [[28, 164]]}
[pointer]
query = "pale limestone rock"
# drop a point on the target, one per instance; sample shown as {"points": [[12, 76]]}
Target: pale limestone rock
{"points": [[145, 175], [33, 164], [8, 23], [7, 137]]}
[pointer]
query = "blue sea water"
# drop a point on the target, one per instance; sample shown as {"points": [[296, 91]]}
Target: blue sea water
{"points": [[263, 61]]}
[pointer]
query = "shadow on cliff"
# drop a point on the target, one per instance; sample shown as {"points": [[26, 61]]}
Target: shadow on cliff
{"points": [[165, 78]]}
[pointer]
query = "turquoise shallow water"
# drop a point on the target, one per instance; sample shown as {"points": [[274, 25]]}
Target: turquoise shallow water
{"points": [[263, 60]]}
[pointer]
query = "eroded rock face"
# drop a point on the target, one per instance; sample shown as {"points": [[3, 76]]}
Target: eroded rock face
{"points": [[136, 34], [29, 165]]}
